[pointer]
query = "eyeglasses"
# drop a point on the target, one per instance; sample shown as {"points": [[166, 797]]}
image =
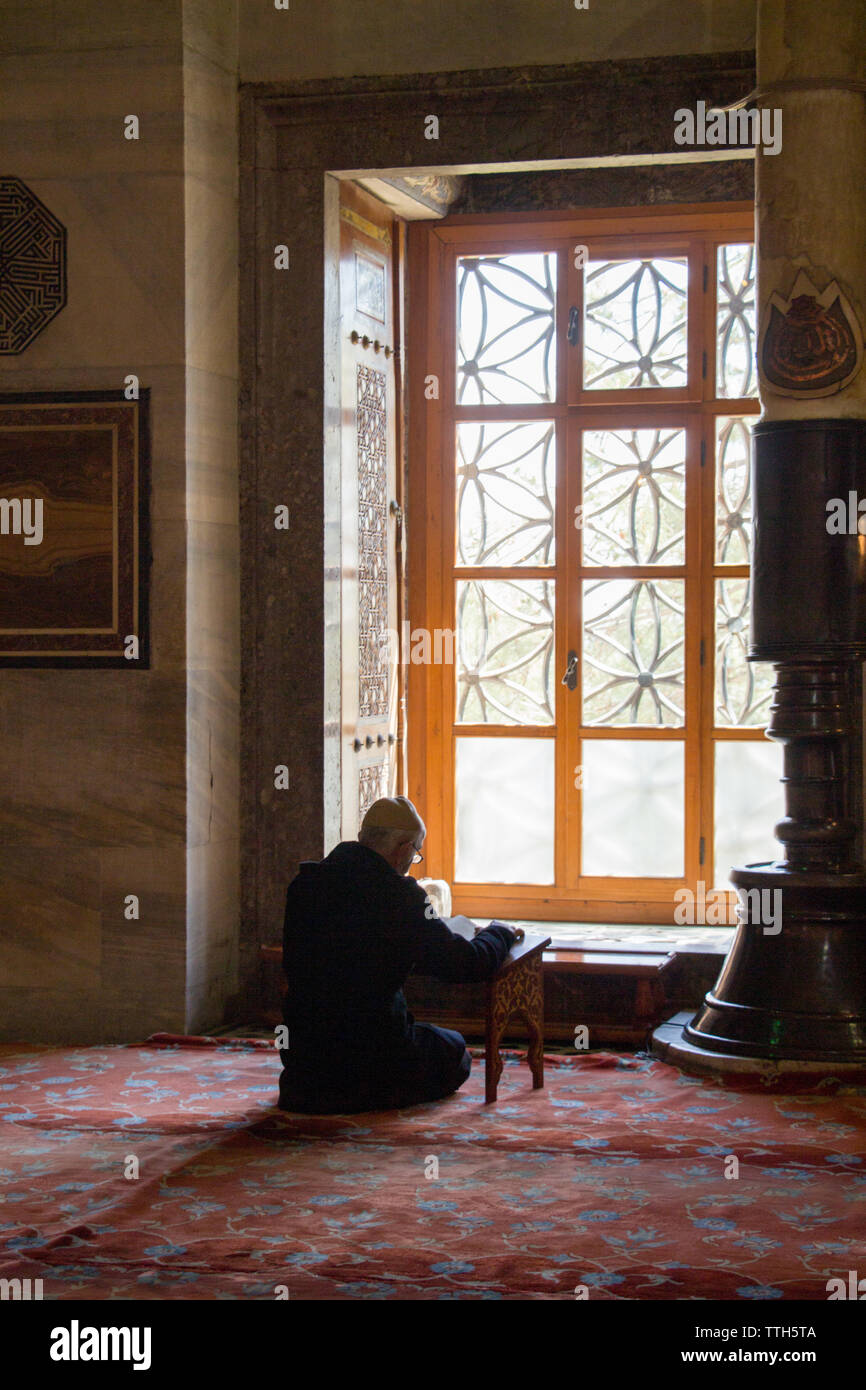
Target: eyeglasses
{"points": [[417, 857]]}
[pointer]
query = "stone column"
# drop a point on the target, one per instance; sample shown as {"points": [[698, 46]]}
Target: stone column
{"points": [[794, 992]]}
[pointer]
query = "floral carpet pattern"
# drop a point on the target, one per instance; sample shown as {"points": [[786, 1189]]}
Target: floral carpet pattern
{"points": [[164, 1171]]}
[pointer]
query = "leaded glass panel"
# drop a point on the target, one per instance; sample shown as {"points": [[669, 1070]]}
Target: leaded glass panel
{"points": [[733, 490], [735, 321], [506, 318], [505, 651], [743, 688], [634, 492], [633, 651], [506, 477], [635, 323]]}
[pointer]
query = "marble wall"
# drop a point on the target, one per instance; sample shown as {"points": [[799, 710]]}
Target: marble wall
{"points": [[112, 778], [360, 37], [213, 574]]}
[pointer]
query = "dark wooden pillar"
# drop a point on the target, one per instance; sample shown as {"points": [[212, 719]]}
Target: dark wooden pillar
{"points": [[793, 988], [794, 984]]}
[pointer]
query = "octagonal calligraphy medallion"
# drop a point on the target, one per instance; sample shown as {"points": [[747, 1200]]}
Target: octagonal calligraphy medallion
{"points": [[32, 266]]}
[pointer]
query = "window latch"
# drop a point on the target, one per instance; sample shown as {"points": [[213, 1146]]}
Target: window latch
{"points": [[570, 677], [573, 325]]}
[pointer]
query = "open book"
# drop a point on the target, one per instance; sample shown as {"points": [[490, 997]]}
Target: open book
{"points": [[466, 928]]}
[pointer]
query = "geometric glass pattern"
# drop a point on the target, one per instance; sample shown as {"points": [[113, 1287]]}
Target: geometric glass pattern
{"points": [[733, 489], [633, 651], [505, 493], [735, 321], [505, 795], [635, 323], [634, 487], [373, 671], [633, 807], [743, 688], [505, 651], [623, 581], [506, 319], [32, 266]]}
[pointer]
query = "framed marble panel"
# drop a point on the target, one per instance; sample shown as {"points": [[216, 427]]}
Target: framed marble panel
{"points": [[74, 535], [370, 286]]}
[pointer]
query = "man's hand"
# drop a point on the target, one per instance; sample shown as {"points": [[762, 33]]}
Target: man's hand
{"points": [[517, 933]]}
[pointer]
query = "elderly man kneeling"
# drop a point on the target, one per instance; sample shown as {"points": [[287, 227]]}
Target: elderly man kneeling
{"points": [[355, 926]]}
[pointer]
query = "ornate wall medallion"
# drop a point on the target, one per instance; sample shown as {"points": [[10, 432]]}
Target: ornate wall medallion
{"points": [[32, 266], [811, 343]]}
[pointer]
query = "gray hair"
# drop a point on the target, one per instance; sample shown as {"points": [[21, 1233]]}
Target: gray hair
{"points": [[383, 839]]}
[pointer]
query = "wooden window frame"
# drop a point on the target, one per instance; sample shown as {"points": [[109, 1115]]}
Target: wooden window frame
{"points": [[432, 252]]}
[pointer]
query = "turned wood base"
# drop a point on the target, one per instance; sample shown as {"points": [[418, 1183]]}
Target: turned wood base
{"points": [[798, 993]]}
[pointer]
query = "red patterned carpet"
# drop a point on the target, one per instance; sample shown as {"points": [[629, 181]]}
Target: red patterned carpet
{"points": [[612, 1178]]}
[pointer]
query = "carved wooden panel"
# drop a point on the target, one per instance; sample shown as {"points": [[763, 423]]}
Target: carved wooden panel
{"points": [[519, 991], [367, 605], [372, 544], [372, 783]]}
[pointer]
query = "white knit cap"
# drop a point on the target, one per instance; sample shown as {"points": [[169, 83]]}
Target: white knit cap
{"points": [[395, 813]]}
